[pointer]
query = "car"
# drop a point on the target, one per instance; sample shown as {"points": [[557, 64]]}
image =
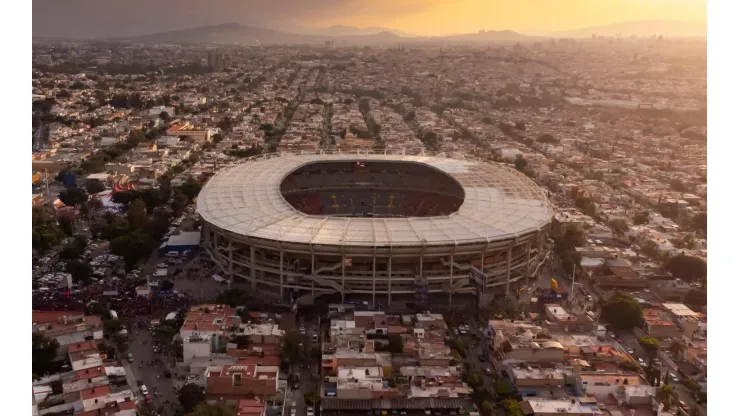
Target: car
{"points": [[674, 378], [303, 330], [162, 265], [682, 404], [130, 357], [292, 411], [489, 372], [144, 390], [309, 411], [611, 334]]}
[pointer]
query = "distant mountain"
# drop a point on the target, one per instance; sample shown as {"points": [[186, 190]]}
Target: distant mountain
{"points": [[490, 35], [642, 28], [250, 35], [234, 33], [341, 30]]}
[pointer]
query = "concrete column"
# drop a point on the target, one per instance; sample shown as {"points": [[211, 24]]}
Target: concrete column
{"points": [[529, 259], [281, 275], [252, 271], [373, 280], [508, 269], [343, 263], [452, 259], [313, 273], [390, 272]]}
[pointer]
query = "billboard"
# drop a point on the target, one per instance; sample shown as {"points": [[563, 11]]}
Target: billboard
{"points": [[476, 278]]}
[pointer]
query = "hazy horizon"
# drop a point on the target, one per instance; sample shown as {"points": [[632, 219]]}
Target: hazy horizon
{"points": [[95, 18]]}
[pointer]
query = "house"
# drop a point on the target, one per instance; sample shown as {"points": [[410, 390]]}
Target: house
{"points": [[235, 382]]}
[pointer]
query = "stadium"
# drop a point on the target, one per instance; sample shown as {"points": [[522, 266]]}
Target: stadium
{"points": [[372, 226]]}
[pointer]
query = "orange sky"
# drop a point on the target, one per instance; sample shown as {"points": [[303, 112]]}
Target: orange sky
{"points": [[435, 17]]}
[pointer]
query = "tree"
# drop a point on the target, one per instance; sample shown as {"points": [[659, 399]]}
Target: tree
{"points": [[547, 139], [292, 351], [191, 395], [112, 326], [179, 202], [687, 267], [73, 197], [699, 222], [136, 214], [512, 408], [81, 271], [395, 343], [132, 246], [216, 138], [677, 185], [94, 186], [650, 345], [71, 251], [619, 226], [311, 397], [165, 116], [520, 126], [623, 311], [520, 163], [641, 218], [166, 285], [586, 205], [43, 353], [67, 225], [474, 379], [410, 116], [487, 120], [666, 396], [191, 188], [486, 407], [45, 233]]}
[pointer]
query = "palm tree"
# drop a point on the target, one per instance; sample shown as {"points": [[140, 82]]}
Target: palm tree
{"points": [[676, 348]]}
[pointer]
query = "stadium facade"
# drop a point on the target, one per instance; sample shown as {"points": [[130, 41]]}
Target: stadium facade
{"points": [[372, 225]]}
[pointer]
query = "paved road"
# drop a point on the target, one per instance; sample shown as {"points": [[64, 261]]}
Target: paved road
{"points": [[140, 345]]}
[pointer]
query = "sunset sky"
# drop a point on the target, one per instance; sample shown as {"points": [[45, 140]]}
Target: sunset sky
{"points": [[84, 18]]}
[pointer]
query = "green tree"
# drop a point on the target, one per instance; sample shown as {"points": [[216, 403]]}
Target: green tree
{"points": [[586, 205], [81, 271], [677, 185], [94, 187], [641, 218], [165, 116], [487, 408], [512, 408], [191, 395], [395, 343], [619, 226], [73, 197], [292, 351], [687, 267], [699, 222], [45, 233], [191, 188], [67, 225], [136, 214], [112, 326], [311, 397], [666, 396], [623, 311], [651, 346], [520, 163], [474, 379], [132, 246], [43, 353]]}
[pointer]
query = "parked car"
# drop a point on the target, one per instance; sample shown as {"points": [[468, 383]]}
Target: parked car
{"points": [[144, 390], [130, 357]]}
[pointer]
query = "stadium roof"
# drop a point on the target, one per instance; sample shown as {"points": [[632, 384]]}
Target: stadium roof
{"points": [[500, 203]]}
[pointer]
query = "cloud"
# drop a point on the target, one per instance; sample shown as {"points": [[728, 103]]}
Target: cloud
{"points": [[88, 18]]}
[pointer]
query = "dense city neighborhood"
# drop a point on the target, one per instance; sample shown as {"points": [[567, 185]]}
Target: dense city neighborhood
{"points": [[135, 312]]}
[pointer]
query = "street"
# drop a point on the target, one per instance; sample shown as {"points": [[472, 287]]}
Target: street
{"points": [[161, 389]]}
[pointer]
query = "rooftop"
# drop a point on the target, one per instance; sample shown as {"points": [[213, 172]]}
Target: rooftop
{"points": [[500, 203]]}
